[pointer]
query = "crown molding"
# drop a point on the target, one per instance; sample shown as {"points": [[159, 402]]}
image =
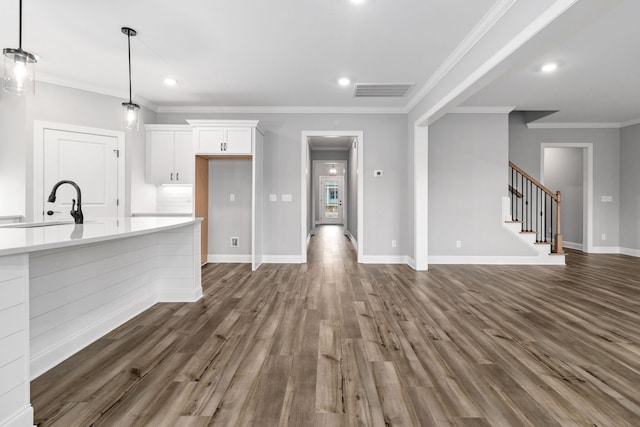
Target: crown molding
{"points": [[577, 125], [487, 22], [630, 123], [213, 109], [482, 110], [45, 78]]}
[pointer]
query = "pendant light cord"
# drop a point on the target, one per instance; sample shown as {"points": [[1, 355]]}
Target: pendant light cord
{"points": [[20, 36], [129, 45]]}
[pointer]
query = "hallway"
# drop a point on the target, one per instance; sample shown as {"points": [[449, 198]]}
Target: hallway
{"points": [[334, 343]]}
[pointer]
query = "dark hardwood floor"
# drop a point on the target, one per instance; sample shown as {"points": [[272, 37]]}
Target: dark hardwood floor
{"points": [[334, 343]]}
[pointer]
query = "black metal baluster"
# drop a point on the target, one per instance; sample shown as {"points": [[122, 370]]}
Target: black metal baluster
{"points": [[552, 239]]}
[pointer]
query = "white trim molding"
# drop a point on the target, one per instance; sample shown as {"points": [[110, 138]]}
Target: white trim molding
{"points": [[384, 259], [487, 22], [229, 258], [606, 250], [214, 109], [282, 259], [577, 125], [497, 260], [630, 251], [572, 245], [470, 109]]}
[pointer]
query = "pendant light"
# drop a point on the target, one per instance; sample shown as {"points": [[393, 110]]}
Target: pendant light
{"points": [[19, 67], [333, 170], [130, 111]]}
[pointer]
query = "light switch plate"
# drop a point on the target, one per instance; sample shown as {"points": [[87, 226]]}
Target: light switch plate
{"points": [[273, 197], [232, 197], [606, 199], [287, 197]]}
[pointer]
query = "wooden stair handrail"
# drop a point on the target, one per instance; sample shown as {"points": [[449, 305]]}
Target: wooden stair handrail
{"points": [[553, 195]]}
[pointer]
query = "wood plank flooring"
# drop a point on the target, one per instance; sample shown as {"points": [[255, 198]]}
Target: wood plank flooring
{"points": [[334, 343]]}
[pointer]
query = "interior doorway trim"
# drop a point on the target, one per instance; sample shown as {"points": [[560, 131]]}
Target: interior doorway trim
{"points": [[39, 128], [305, 177], [587, 202]]}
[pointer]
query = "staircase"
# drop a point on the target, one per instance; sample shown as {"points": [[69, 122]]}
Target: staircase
{"points": [[532, 212]]}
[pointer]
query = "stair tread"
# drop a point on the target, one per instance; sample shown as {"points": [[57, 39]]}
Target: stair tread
{"points": [[528, 232], [513, 222], [543, 243]]}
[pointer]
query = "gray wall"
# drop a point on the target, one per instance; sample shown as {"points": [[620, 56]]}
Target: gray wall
{"points": [[468, 170], [53, 103], [525, 151], [13, 143], [385, 199], [563, 171], [630, 187], [226, 218]]}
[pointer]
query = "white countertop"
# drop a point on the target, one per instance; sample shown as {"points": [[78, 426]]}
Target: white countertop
{"points": [[182, 214], [23, 240]]}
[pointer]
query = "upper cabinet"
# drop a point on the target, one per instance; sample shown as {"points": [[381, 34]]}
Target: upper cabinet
{"points": [[170, 154], [224, 137]]}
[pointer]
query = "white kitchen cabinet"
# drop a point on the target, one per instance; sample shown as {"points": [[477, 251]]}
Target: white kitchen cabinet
{"points": [[170, 154], [224, 137]]}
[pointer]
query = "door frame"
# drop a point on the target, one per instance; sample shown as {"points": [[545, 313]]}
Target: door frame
{"points": [[305, 176], [587, 187], [342, 197], [39, 127]]}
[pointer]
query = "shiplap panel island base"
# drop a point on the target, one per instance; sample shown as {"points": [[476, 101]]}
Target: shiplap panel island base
{"points": [[64, 286]]}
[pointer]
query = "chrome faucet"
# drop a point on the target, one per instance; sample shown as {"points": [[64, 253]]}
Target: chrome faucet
{"points": [[75, 213]]}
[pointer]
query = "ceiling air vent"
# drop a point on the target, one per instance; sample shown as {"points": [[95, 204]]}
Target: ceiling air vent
{"points": [[385, 90]]}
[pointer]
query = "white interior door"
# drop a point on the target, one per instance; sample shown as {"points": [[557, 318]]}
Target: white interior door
{"points": [[91, 161], [331, 197]]}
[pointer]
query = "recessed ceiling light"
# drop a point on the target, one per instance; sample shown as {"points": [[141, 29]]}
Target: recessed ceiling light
{"points": [[170, 82], [344, 81], [331, 136], [550, 67]]}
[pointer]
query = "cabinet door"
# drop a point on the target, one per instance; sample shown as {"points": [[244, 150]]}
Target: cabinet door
{"points": [[160, 157], [210, 141], [238, 141], [184, 159]]}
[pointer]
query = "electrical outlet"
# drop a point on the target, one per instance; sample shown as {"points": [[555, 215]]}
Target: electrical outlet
{"points": [[273, 197], [232, 197], [604, 236], [393, 244], [458, 243], [235, 242]]}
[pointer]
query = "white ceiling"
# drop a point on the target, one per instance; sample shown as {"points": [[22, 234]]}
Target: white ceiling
{"points": [[242, 53], [285, 53], [598, 79]]}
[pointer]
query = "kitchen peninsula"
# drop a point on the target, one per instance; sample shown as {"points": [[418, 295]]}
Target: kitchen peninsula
{"points": [[64, 286]]}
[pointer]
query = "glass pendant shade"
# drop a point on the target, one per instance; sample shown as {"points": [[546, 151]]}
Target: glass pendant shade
{"points": [[130, 115], [333, 170], [19, 71]]}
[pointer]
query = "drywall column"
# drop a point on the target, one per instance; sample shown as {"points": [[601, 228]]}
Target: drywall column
{"points": [[421, 196]]}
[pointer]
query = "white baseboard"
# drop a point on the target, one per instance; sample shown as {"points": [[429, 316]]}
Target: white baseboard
{"points": [[384, 259], [178, 295], [411, 262], [630, 252], [498, 260], [22, 418], [282, 259], [50, 357], [311, 233], [605, 250], [572, 245], [230, 258], [354, 242]]}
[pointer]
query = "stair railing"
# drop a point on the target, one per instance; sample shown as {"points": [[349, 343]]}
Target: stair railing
{"points": [[537, 207]]}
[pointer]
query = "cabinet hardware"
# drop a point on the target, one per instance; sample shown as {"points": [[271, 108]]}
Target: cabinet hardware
{"points": [[177, 176], [221, 146], [171, 176]]}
